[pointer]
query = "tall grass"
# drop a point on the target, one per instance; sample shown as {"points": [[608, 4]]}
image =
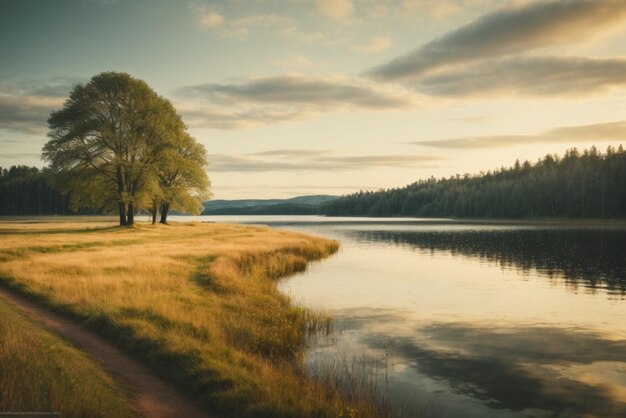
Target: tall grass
{"points": [[41, 373], [362, 376], [196, 303]]}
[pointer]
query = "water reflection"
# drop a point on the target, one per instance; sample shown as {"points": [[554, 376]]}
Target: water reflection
{"points": [[591, 258], [511, 370], [461, 316]]}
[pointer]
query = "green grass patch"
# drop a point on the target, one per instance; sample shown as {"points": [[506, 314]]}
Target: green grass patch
{"points": [[40, 372]]}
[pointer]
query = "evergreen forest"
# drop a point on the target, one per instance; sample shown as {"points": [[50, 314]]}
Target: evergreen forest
{"points": [[588, 184]]}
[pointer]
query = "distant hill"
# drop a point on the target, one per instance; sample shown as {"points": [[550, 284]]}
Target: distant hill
{"points": [[301, 205]]}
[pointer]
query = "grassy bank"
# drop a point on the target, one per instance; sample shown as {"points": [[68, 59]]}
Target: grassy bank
{"points": [[195, 302], [42, 373]]}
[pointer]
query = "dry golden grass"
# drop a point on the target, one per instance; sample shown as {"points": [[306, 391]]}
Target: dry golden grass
{"points": [[42, 373], [196, 302]]}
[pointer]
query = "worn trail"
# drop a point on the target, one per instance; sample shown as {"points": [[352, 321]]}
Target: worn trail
{"points": [[154, 398]]}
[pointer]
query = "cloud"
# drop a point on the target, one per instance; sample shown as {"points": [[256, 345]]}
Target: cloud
{"points": [[515, 29], [281, 98], [49, 87], [276, 24], [335, 9], [376, 45], [289, 153], [514, 368], [27, 114], [240, 26], [612, 131], [314, 161], [210, 20], [26, 105], [317, 93], [202, 116], [22, 155], [537, 76], [271, 22], [439, 8]]}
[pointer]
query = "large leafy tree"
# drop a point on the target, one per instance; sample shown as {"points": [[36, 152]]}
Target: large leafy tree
{"points": [[109, 140]]}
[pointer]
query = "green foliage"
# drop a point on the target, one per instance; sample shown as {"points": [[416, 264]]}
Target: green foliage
{"points": [[112, 141], [181, 175], [587, 185]]}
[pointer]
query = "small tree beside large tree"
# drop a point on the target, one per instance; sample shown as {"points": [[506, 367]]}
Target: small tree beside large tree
{"points": [[117, 144]]}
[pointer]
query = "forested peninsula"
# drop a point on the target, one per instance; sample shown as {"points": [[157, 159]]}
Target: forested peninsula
{"points": [[587, 184]]}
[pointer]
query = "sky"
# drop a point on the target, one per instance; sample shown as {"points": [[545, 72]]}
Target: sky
{"points": [[298, 97]]}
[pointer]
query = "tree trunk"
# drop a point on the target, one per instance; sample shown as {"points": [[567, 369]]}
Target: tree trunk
{"points": [[154, 213], [131, 215], [121, 206], [164, 208]]}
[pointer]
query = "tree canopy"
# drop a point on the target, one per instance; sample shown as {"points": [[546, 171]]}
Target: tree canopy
{"points": [[579, 185], [117, 144]]}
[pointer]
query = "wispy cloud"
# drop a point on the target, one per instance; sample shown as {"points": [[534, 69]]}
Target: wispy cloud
{"points": [[26, 109], [376, 45], [260, 162], [612, 131], [537, 76], [519, 28], [25, 105], [289, 97], [26, 114], [313, 92], [22, 155], [335, 9], [289, 153], [48, 87], [439, 8], [199, 115], [241, 27], [210, 20]]}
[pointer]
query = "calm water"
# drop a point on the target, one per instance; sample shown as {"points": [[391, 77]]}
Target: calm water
{"points": [[474, 320]]}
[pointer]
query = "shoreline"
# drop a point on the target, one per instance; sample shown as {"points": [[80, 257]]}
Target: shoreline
{"points": [[224, 334]]}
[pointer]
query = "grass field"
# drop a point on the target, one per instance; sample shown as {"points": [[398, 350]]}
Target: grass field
{"points": [[197, 303], [42, 373]]}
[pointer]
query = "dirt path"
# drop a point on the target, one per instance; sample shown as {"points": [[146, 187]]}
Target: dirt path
{"points": [[154, 398]]}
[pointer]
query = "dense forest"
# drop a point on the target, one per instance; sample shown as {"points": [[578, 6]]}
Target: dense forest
{"points": [[578, 185], [26, 191]]}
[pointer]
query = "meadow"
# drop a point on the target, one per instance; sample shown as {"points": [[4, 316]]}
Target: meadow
{"points": [[197, 303], [42, 373]]}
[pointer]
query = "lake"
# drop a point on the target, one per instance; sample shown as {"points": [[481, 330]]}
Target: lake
{"points": [[472, 319]]}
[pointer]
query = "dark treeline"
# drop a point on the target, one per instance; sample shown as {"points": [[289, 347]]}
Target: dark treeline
{"points": [[579, 185], [26, 191], [580, 257]]}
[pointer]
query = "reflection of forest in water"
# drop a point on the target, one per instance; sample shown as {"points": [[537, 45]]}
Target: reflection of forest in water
{"points": [[591, 258], [557, 372]]}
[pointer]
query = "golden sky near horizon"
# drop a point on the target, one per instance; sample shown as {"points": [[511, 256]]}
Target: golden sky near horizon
{"points": [[300, 97]]}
